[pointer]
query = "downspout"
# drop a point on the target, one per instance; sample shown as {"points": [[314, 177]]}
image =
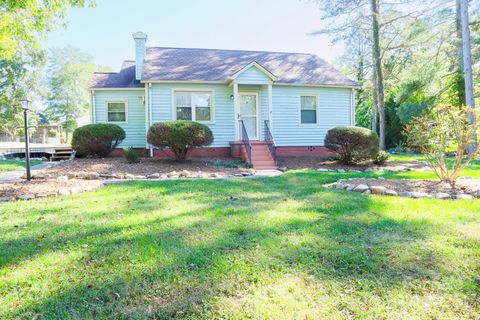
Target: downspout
{"points": [[150, 112], [352, 108]]}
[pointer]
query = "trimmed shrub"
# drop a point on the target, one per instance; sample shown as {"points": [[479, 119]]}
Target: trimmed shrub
{"points": [[97, 140], [352, 144], [381, 158], [131, 155], [180, 136]]}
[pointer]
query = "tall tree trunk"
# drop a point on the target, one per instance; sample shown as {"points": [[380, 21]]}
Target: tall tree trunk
{"points": [[460, 75], [377, 61], [375, 102], [467, 67]]}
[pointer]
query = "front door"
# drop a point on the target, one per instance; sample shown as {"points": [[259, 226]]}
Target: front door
{"points": [[249, 113]]}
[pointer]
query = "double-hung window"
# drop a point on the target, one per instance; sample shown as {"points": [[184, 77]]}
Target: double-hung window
{"points": [[308, 109], [197, 106], [116, 111]]}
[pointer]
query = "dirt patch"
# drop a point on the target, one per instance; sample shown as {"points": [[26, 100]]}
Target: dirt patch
{"points": [[146, 166], [293, 163], [27, 190], [463, 186]]}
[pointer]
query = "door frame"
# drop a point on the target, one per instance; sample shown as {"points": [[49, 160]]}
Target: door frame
{"points": [[250, 93]]}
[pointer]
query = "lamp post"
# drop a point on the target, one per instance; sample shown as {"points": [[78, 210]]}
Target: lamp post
{"points": [[25, 103]]}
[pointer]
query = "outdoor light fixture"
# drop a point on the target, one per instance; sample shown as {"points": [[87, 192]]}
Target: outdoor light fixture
{"points": [[25, 104], [231, 97]]}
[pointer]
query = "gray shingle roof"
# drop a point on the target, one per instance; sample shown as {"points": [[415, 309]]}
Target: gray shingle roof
{"points": [[180, 64], [123, 79]]}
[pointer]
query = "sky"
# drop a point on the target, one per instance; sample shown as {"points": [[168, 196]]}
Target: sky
{"points": [[271, 25]]}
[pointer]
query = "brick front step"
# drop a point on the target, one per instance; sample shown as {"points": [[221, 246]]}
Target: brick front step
{"points": [[261, 157]]}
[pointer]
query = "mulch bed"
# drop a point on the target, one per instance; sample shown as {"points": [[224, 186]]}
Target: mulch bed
{"points": [[293, 163], [146, 166], [44, 188], [463, 186]]}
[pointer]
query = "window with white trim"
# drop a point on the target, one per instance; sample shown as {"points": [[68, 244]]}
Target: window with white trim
{"points": [[116, 111], [195, 106], [308, 109]]}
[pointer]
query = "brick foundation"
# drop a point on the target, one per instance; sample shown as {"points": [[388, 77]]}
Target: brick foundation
{"points": [[196, 152], [312, 151]]}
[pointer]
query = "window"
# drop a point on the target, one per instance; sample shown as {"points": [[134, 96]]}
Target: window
{"points": [[308, 109], [193, 106], [117, 112]]}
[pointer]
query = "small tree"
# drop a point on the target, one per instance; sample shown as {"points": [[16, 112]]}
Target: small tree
{"points": [[443, 130], [180, 136], [353, 144]]}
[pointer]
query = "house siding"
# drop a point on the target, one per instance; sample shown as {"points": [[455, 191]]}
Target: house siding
{"points": [[222, 126], [135, 126], [334, 110], [253, 76]]}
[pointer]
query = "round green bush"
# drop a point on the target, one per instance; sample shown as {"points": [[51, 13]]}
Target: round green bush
{"points": [[97, 140], [180, 136], [352, 144]]}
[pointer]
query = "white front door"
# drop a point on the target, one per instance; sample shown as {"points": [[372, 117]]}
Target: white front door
{"points": [[249, 113]]}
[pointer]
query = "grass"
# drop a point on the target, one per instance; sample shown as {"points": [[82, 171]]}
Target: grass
{"points": [[277, 248], [473, 170], [12, 165]]}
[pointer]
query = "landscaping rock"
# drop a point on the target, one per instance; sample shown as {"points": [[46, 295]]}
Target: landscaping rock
{"points": [[476, 193], [323, 170], [75, 190], [378, 189], [350, 187], [71, 175], [341, 170], [27, 196], [392, 193], [153, 176], [184, 174], [367, 192], [7, 199], [62, 178], [92, 176], [246, 174], [215, 175], [38, 176], [442, 195], [63, 192], [283, 169], [341, 185], [463, 197], [405, 194], [172, 174], [418, 195], [361, 188]]}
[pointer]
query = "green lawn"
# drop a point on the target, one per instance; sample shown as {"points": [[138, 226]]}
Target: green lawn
{"points": [[277, 248], [473, 170], [12, 165]]}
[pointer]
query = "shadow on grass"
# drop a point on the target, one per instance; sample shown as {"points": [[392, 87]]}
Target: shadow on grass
{"points": [[189, 242]]}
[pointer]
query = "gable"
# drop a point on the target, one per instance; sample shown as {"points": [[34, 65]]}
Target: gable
{"points": [[253, 74]]}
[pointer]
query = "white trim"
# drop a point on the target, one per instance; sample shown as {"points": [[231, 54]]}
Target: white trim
{"points": [[314, 85], [317, 106], [94, 110], [270, 110], [255, 93], [352, 108], [150, 110], [231, 83], [146, 106], [117, 89], [116, 101], [256, 65], [192, 91], [236, 111], [184, 82]]}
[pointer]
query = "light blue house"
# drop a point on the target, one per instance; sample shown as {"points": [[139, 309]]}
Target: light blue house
{"points": [[258, 104]]}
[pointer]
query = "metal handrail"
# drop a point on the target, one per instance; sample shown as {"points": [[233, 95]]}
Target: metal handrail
{"points": [[271, 143], [246, 141]]}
